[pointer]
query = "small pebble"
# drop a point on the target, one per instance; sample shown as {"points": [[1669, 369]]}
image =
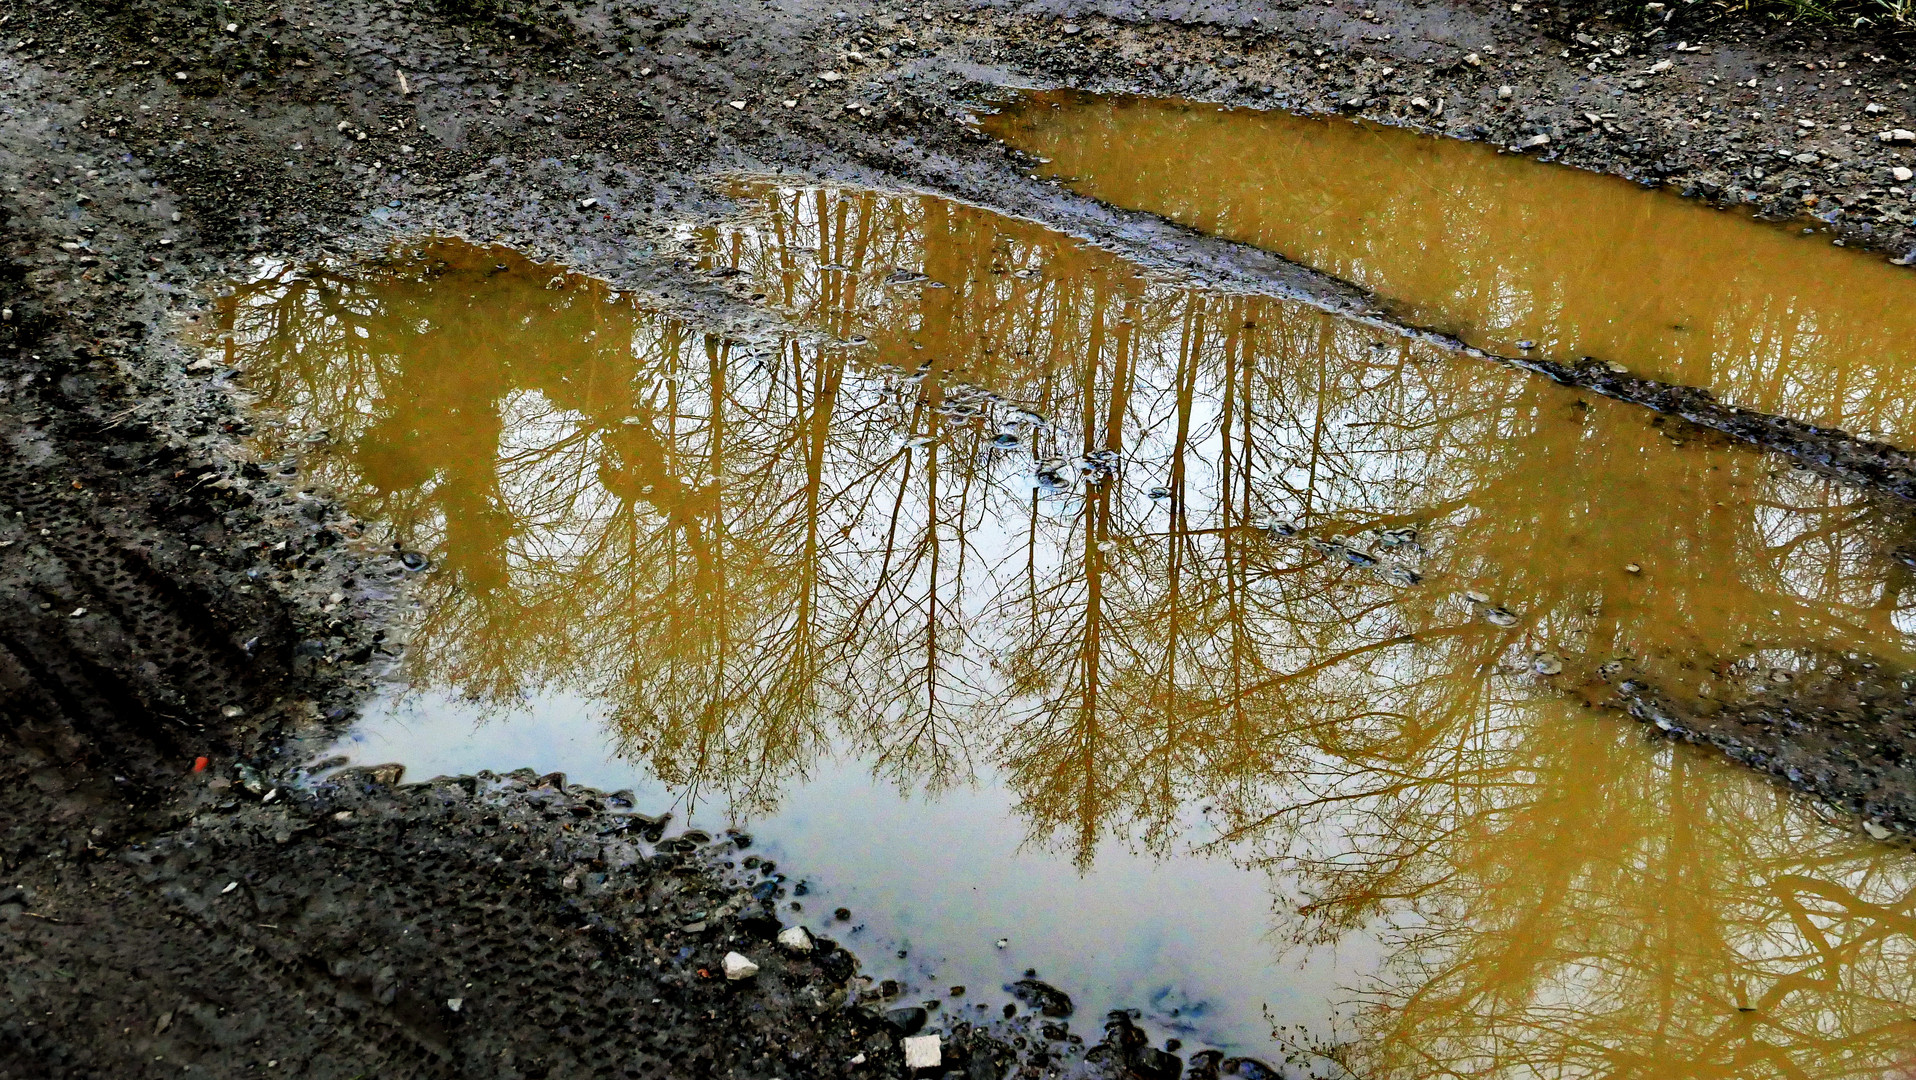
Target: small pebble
{"points": [[922, 1052]]}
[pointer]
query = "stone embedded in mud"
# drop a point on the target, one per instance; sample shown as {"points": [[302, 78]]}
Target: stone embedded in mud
{"points": [[737, 967], [907, 1021], [1498, 616], [923, 1052], [796, 939], [1547, 664], [1154, 1064], [1042, 996], [1875, 831]]}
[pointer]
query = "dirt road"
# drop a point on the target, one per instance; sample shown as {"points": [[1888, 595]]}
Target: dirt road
{"points": [[163, 600]]}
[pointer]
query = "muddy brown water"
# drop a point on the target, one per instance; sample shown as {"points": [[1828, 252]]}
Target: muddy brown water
{"points": [[1501, 250], [1224, 660]]}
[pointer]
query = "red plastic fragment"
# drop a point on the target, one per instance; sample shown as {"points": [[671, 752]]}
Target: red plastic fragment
{"points": [[199, 764]]}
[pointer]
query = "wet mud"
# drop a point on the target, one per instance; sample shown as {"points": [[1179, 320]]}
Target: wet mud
{"points": [[185, 623]]}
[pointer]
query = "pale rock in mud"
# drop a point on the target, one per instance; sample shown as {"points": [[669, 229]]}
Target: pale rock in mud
{"points": [[796, 939], [923, 1052], [738, 966]]}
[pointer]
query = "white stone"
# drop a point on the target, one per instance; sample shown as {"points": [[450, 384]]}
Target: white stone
{"points": [[1534, 141], [738, 967], [923, 1052], [829, 76], [1660, 67], [1902, 174], [1899, 135], [795, 938], [1875, 830]]}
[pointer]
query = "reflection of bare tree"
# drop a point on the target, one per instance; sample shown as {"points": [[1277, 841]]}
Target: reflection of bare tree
{"points": [[1500, 249], [1035, 518], [1561, 907]]}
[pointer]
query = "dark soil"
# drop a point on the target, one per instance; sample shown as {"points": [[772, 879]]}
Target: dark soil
{"points": [[161, 600]]}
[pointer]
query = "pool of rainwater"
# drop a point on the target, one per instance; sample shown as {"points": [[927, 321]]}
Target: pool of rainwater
{"points": [[1200, 652], [1509, 254]]}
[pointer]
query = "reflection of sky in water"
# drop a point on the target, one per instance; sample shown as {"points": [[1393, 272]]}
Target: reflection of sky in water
{"points": [[944, 878], [1177, 753]]}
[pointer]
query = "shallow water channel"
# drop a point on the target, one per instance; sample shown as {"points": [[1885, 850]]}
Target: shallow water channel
{"points": [[1502, 251], [1218, 658]]}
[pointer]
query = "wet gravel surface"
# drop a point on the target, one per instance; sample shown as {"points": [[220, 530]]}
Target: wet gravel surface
{"points": [[164, 600]]}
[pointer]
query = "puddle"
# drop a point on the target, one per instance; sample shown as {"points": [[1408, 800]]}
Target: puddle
{"points": [[1225, 659], [1499, 249]]}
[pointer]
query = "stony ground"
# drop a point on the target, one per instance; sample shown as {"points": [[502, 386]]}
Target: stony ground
{"points": [[163, 600]]}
